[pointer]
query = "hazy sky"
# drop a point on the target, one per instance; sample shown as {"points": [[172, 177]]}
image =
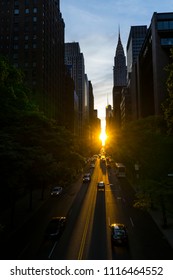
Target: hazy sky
{"points": [[95, 24]]}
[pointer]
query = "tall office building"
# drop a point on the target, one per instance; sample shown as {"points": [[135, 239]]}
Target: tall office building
{"points": [[149, 74], [135, 40], [109, 120], [32, 37], [75, 59], [119, 80], [119, 69]]}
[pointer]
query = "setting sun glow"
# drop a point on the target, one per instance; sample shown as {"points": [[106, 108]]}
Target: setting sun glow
{"points": [[103, 137]]}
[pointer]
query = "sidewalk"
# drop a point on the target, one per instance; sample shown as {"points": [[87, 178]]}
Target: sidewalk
{"points": [[167, 232]]}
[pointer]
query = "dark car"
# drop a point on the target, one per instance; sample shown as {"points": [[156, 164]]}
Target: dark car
{"points": [[101, 186], [87, 178], [119, 234], [55, 227], [56, 191]]}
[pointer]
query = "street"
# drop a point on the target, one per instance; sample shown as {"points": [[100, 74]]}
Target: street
{"points": [[87, 234]]}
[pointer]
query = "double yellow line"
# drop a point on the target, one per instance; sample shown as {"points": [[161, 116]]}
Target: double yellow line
{"points": [[82, 245]]}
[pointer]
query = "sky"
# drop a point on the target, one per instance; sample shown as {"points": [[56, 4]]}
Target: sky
{"points": [[95, 25]]}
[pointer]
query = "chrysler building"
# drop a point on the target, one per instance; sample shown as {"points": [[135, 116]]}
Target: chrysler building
{"points": [[119, 80]]}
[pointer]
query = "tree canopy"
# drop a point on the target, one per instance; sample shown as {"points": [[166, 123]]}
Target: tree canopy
{"points": [[168, 104], [34, 150]]}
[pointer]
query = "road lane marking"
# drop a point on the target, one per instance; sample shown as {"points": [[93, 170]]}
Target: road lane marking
{"points": [[82, 245], [131, 222], [51, 252]]}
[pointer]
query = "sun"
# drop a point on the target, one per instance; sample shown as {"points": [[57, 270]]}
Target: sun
{"points": [[103, 137]]}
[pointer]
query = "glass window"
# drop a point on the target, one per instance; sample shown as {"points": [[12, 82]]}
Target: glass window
{"points": [[27, 11], [34, 10], [16, 38], [16, 47], [166, 41], [165, 25], [16, 11], [34, 19]]}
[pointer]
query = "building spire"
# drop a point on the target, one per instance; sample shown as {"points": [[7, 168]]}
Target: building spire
{"points": [[119, 48], [119, 63], [119, 32]]}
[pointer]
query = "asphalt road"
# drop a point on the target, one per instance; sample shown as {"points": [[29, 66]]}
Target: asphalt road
{"points": [[89, 237], [87, 234]]}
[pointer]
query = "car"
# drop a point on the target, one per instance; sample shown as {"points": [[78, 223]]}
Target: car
{"points": [[56, 191], [119, 234], [92, 165], [55, 227], [101, 186], [86, 178]]}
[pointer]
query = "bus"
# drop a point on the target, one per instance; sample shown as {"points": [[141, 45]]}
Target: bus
{"points": [[120, 170]]}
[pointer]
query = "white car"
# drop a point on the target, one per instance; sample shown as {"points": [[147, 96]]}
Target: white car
{"points": [[56, 191], [101, 186], [87, 178]]}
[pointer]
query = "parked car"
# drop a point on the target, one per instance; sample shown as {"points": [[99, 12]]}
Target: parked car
{"points": [[55, 227], [56, 191], [86, 178], [101, 186], [119, 234]]}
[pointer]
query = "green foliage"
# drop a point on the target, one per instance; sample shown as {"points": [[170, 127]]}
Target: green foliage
{"points": [[14, 95], [145, 141], [34, 151], [168, 104]]}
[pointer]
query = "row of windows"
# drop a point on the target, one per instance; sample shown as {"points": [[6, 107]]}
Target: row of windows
{"points": [[26, 37], [27, 2], [16, 19], [166, 41], [165, 25], [26, 46], [16, 47], [27, 11], [26, 64]]}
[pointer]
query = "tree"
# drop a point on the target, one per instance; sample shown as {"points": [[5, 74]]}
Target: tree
{"points": [[145, 141], [34, 151], [168, 103]]}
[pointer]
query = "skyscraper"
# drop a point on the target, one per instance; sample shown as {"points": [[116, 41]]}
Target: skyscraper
{"points": [[75, 59], [134, 44], [148, 77], [119, 80], [135, 40], [32, 37], [119, 69]]}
